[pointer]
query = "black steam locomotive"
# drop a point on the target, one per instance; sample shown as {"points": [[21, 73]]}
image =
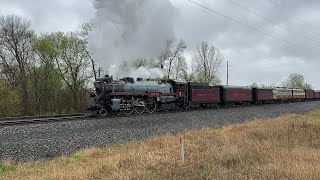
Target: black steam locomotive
{"points": [[127, 96]]}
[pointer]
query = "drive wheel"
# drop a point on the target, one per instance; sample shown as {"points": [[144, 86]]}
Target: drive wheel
{"points": [[103, 112], [151, 106], [128, 107], [140, 106]]}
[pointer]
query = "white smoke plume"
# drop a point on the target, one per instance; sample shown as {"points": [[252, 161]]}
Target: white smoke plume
{"points": [[145, 73], [141, 72], [130, 29]]}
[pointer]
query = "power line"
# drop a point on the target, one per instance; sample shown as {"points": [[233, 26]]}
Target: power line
{"points": [[246, 25], [271, 21], [304, 22]]}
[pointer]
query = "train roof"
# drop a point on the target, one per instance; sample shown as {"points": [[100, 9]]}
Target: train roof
{"points": [[198, 83], [263, 88], [177, 81], [233, 87], [282, 89], [298, 89]]}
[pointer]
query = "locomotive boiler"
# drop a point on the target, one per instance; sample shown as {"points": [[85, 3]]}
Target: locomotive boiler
{"points": [[127, 95]]}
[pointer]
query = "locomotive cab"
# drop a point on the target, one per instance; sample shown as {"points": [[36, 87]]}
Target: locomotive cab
{"points": [[180, 88]]}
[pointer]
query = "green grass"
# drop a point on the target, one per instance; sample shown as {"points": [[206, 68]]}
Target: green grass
{"points": [[218, 129], [6, 168], [314, 113], [77, 155]]}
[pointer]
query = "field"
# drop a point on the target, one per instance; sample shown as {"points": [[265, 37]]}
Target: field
{"points": [[287, 147]]}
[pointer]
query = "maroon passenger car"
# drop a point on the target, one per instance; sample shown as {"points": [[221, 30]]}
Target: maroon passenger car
{"points": [[235, 94], [310, 94], [262, 95], [317, 94], [202, 93]]}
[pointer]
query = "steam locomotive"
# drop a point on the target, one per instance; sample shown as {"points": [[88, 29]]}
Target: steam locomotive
{"points": [[127, 96]]}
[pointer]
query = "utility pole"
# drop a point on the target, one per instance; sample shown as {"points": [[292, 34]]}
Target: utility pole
{"points": [[227, 73]]}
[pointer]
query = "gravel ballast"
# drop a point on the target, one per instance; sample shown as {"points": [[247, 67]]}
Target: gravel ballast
{"points": [[39, 141]]}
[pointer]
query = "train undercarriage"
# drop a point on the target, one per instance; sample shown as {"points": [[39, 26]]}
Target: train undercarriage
{"points": [[131, 105]]}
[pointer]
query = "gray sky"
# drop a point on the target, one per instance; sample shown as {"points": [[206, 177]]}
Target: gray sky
{"points": [[253, 56]]}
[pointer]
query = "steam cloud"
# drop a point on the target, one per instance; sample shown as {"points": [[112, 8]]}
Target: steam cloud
{"points": [[145, 73], [130, 29], [141, 72]]}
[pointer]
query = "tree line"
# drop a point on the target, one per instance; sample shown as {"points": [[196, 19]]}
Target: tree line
{"points": [[295, 80], [45, 74], [53, 73]]}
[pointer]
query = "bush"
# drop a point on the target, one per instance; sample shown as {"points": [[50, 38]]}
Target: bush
{"points": [[10, 101]]}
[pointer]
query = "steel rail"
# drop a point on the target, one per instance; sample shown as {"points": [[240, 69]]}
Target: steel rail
{"points": [[42, 116], [40, 120], [15, 122]]}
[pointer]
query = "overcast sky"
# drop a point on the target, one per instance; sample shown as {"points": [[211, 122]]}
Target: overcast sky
{"points": [[253, 55]]}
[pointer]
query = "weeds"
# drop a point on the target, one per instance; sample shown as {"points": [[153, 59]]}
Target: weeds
{"points": [[282, 148], [77, 155], [6, 167]]}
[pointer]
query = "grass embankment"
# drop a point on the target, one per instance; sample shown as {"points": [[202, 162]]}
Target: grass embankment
{"points": [[285, 147]]}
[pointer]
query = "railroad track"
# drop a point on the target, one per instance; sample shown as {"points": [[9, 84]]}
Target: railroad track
{"points": [[13, 121], [25, 120], [42, 116]]}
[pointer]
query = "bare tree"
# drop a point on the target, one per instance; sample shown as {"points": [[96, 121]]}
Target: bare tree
{"points": [[166, 54], [142, 62], [207, 61], [179, 68], [16, 38], [85, 29], [189, 76], [172, 53]]}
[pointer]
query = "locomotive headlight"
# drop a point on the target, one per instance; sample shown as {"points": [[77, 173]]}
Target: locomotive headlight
{"points": [[94, 89]]}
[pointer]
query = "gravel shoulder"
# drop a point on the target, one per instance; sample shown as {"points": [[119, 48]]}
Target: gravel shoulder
{"points": [[34, 142]]}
